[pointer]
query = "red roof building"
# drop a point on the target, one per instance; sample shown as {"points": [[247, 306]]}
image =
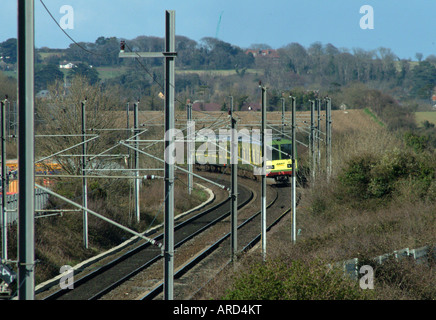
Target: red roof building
{"points": [[270, 53]]}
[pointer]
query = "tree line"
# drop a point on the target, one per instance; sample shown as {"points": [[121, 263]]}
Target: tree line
{"points": [[209, 53], [317, 67], [330, 68]]}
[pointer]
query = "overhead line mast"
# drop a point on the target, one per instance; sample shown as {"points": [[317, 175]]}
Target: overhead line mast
{"points": [[263, 186], [26, 150], [169, 95]]}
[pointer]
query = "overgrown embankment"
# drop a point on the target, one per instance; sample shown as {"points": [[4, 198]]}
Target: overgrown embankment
{"points": [[380, 198], [59, 239]]}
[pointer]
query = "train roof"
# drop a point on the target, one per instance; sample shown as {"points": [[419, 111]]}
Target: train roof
{"points": [[247, 139]]}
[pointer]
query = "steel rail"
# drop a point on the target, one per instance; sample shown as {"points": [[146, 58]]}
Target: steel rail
{"points": [[204, 253], [130, 253], [189, 237]]}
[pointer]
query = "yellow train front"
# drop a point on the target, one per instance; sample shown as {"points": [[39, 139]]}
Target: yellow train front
{"points": [[279, 167]]}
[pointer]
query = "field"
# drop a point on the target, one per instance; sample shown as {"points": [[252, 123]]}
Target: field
{"points": [[112, 72], [217, 72], [45, 55], [106, 73], [430, 116]]}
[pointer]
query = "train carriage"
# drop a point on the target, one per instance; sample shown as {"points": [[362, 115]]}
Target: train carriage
{"points": [[216, 154]]}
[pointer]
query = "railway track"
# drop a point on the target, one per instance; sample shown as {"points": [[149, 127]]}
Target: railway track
{"points": [[192, 276], [101, 281]]}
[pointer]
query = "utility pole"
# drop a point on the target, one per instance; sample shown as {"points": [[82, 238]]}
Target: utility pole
{"points": [[318, 135], [234, 187], [312, 137], [26, 150], [84, 180], [294, 174], [4, 219], [127, 120], [136, 160], [329, 137], [283, 116], [169, 56], [128, 132], [189, 151], [263, 191]]}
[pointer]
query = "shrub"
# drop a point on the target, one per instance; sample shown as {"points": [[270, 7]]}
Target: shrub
{"points": [[278, 280], [356, 176], [261, 282], [417, 142], [405, 279], [365, 176]]}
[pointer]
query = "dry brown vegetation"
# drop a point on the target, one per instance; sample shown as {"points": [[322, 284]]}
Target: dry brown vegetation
{"points": [[336, 225], [59, 239]]}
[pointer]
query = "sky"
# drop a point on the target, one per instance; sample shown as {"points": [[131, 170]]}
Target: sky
{"points": [[404, 26]]}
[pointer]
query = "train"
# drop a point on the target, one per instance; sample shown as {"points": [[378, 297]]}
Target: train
{"points": [[278, 168]]}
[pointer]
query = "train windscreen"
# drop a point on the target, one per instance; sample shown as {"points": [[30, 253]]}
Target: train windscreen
{"points": [[275, 152], [287, 148]]}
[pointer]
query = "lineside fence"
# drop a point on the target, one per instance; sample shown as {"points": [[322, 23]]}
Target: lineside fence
{"points": [[41, 198], [421, 256]]}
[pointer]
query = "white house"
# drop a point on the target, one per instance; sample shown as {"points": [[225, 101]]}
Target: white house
{"points": [[67, 66]]}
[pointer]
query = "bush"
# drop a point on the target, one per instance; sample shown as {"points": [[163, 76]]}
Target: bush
{"points": [[403, 279], [417, 142], [366, 177], [356, 176], [277, 280]]}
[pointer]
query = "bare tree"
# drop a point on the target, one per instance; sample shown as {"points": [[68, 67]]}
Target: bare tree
{"points": [[59, 119]]}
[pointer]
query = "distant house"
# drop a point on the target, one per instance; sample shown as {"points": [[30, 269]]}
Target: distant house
{"points": [[67, 66], [270, 53], [253, 52]]}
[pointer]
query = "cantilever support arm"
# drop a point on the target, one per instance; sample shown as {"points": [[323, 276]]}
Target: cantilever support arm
{"points": [[179, 168], [152, 241]]}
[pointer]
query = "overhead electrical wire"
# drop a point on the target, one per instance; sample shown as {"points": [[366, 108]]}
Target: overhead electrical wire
{"points": [[138, 61], [98, 54], [74, 41], [155, 81]]}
